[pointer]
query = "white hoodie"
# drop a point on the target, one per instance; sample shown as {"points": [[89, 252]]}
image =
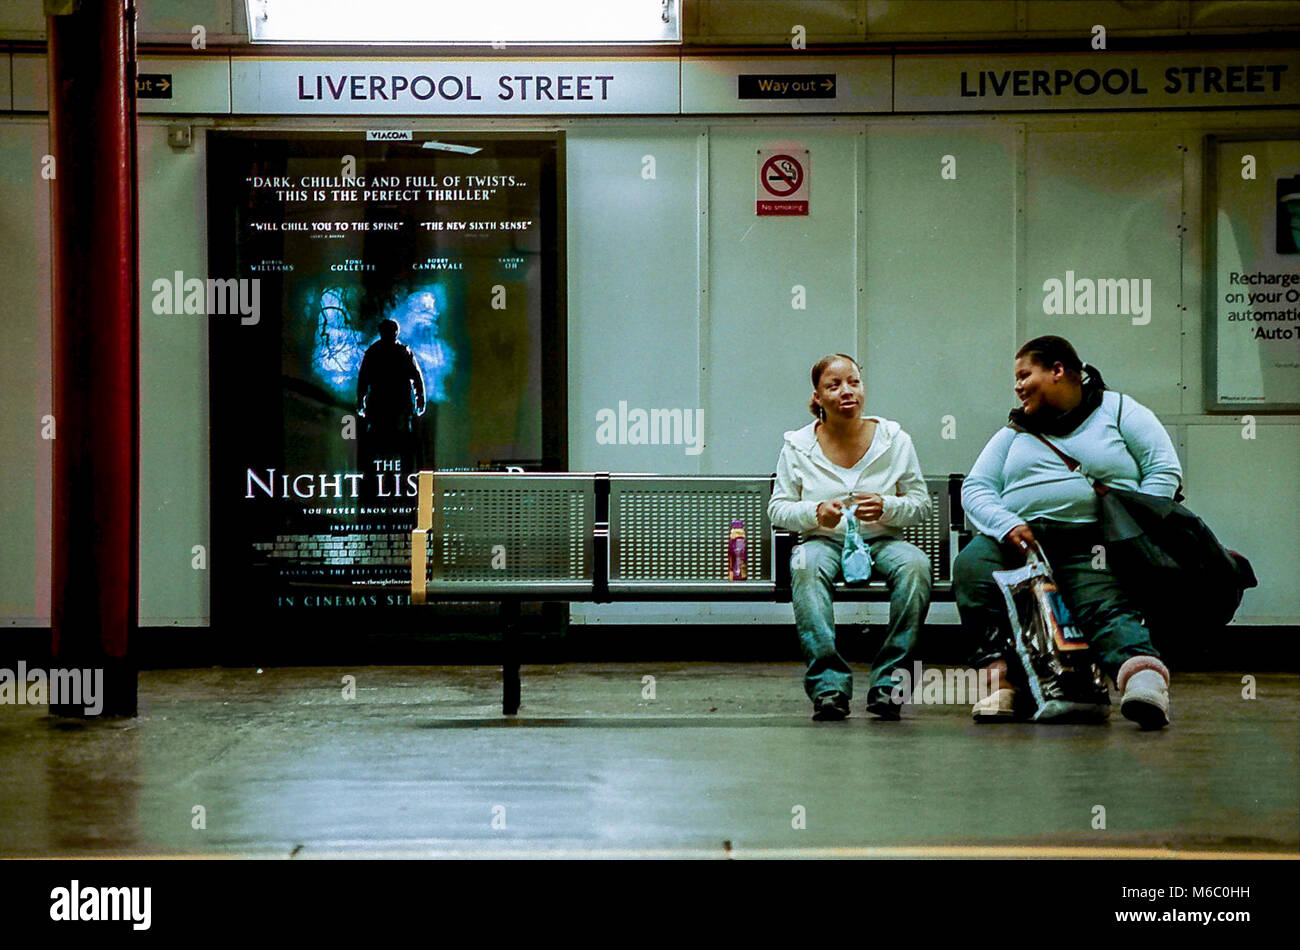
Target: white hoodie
{"points": [[805, 477]]}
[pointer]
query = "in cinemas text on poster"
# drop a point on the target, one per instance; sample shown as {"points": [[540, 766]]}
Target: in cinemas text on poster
{"points": [[398, 310]]}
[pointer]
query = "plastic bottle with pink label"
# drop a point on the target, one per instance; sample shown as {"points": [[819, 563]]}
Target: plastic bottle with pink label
{"points": [[736, 550]]}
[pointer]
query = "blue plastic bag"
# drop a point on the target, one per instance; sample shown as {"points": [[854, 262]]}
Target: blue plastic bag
{"points": [[855, 558]]}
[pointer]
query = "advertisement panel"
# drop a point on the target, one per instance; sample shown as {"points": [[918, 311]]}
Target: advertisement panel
{"points": [[377, 307], [1253, 274]]}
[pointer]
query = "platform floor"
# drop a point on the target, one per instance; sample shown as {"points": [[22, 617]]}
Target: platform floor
{"points": [[724, 761]]}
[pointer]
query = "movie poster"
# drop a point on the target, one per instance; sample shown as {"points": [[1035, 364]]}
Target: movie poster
{"points": [[399, 311], [1255, 275]]}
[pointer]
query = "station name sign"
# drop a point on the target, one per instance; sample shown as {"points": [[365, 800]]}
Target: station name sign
{"points": [[1101, 80], [1057, 82], [699, 85], [422, 88], [471, 87]]}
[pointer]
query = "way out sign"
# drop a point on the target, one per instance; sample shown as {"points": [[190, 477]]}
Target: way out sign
{"points": [[783, 179]]}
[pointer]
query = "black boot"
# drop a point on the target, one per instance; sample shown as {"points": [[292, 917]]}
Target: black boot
{"points": [[881, 704], [831, 707]]}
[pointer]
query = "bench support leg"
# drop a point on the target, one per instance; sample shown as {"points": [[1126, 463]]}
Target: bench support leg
{"points": [[510, 657]]}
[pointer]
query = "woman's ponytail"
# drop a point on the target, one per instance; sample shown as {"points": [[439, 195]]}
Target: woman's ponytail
{"points": [[1092, 377]]}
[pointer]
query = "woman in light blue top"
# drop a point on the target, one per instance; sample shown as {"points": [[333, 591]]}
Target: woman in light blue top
{"points": [[1020, 494]]}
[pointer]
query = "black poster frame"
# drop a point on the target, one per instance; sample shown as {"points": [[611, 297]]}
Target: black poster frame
{"points": [[233, 613]]}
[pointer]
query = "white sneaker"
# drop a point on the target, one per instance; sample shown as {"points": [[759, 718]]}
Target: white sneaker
{"points": [[998, 706], [1144, 682]]}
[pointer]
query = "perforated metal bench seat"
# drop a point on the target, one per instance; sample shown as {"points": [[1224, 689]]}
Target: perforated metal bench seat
{"points": [[594, 537], [491, 535], [599, 537]]}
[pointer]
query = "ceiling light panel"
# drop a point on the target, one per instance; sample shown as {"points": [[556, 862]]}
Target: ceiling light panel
{"points": [[468, 22]]}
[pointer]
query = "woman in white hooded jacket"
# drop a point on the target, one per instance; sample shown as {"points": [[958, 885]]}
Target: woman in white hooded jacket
{"points": [[847, 465]]}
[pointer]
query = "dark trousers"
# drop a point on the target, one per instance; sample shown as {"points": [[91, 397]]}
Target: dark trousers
{"points": [[1075, 552]]}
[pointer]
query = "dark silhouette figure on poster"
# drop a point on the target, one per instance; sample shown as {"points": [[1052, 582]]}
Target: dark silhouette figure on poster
{"points": [[390, 396]]}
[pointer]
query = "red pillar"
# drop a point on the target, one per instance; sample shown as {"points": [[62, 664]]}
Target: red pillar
{"points": [[96, 331]]}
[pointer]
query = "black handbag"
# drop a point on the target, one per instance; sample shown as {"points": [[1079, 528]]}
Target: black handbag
{"points": [[1167, 559]]}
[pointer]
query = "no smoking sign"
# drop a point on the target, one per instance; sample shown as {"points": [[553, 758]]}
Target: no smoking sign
{"points": [[783, 178]]}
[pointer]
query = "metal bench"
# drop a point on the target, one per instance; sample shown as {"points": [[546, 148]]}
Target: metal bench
{"points": [[598, 537], [668, 537], [488, 535]]}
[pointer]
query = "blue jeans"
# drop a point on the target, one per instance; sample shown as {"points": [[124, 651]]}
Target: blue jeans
{"points": [[814, 568]]}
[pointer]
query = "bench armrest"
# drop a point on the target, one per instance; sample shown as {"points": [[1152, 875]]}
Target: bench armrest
{"points": [[783, 544]]}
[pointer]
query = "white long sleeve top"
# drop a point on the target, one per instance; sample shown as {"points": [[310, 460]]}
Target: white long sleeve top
{"points": [[805, 478]]}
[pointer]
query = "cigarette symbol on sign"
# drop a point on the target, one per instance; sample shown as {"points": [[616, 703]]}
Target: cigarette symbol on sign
{"points": [[782, 175]]}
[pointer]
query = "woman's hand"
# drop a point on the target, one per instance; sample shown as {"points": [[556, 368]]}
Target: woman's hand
{"points": [[829, 513], [1021, 537], [871, 507]]}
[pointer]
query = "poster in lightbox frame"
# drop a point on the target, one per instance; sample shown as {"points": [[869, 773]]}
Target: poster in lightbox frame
{"points": [[312, 481], [1251, 273]]}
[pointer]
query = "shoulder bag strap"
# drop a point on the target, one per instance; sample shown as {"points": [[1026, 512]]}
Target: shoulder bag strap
{"points": [[1119, 418], [1070, 462]]}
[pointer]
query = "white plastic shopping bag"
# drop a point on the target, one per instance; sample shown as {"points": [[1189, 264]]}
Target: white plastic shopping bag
{"points": [[1063, 677]]}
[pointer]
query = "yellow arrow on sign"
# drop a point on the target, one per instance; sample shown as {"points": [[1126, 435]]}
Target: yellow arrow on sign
{"points": [[828, 84]]}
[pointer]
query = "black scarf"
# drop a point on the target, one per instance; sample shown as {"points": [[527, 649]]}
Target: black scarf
{"points": [[1051, 422]]}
